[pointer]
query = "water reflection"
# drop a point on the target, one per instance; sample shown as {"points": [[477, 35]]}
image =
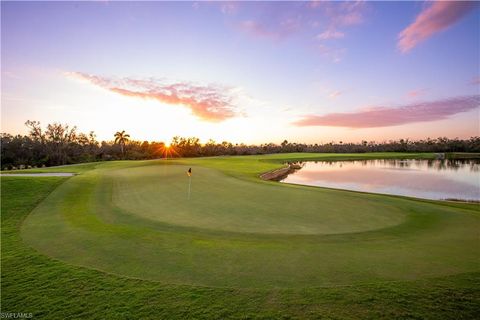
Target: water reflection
{"points": [[431, 179]]}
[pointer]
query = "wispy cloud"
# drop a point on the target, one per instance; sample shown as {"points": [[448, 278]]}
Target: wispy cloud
{"points": [[260, 30], [346, 13], [229, 7], [209, 103], [331, 53], [330, 34], [475, 80], [339, 16], [322, 20], [436, 17], [316, 3], [318, 21], [416, 93], [385, 117], [11, 75], [275, 21], [335, 94]]}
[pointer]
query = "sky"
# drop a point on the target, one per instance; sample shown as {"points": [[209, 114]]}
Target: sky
{"points": [[251, 72]]}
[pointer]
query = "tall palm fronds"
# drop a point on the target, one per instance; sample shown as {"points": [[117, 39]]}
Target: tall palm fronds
{"points": [[121, 138]]}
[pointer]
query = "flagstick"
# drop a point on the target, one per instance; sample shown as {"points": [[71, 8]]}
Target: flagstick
{"points": [[189, 185], [165, 165]]}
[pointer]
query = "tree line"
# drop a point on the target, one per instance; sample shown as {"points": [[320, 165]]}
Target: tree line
{"points": [[59, 144]]}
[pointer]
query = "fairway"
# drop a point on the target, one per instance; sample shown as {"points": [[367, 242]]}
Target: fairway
{"points": [[133, 219]]}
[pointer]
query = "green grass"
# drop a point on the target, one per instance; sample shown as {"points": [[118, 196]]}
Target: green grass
{"points": [[120, 240]]}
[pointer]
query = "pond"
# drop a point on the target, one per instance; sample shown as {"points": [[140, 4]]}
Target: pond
{"points": [[429, 179]]}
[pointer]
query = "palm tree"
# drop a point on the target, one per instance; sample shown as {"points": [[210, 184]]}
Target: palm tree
{"points": [[121, 138]]}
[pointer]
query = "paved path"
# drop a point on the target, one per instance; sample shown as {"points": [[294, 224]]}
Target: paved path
{"points": [[48, 174]]}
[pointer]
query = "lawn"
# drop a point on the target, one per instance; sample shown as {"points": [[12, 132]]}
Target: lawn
{"points": [[122, 240]]}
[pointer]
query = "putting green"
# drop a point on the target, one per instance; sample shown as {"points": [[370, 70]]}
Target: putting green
{"points": [[222, 203], [134, 219]]}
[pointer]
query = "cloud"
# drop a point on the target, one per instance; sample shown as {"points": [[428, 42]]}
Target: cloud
{"points": [[11, 75], [277, 30], [416, 93], [330, 34], [315, 21], [437, 17], [229, 7], [335, 94], [209, 103], [283, 19], [338, 15], [348, 13], [385, 117], [475, 80], [259, 30], [315, 3], [333, 54]]}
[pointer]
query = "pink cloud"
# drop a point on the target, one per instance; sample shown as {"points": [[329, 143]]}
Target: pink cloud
{"points": [[275, 30], [258, 30], [350, 13], [344, 14], [416, 93], [315, 3], [208, 103], [385, 117], [437, 17], [475, 80]]}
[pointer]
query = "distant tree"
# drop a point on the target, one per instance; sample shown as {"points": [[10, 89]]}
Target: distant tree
{"points": [[59, 140], [121, 138], [210, 148], [35, 132]]}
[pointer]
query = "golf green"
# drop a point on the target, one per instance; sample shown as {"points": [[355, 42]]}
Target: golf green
{"points": [[136, 219]]}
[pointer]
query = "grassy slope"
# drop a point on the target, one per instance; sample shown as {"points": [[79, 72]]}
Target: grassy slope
{"points": [[52, 288], [237, 233]]}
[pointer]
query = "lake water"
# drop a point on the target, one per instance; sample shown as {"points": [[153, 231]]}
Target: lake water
{"points": [[430, 179]]}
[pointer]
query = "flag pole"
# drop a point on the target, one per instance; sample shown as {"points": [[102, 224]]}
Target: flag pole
{"points": [[189, 173]]}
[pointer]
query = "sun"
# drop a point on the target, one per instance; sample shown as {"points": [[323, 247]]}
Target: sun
{"points": [[168, 151]]}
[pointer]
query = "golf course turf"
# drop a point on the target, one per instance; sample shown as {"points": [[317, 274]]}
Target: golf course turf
{"points": [[239, 247]]}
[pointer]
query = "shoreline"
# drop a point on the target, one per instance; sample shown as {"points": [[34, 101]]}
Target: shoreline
{"points": [[280, 174]]}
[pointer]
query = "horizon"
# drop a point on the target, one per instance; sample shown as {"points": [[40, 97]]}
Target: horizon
{"points": [[202, 142], [252, 73]]}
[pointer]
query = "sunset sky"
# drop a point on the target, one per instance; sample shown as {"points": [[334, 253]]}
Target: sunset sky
{"points": [[243, 72]]}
